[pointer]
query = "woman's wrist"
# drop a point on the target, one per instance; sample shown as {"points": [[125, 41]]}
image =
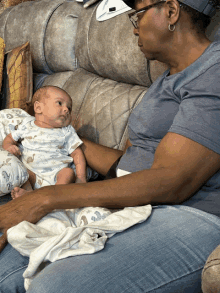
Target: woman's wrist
{"points": [[47, 198]]}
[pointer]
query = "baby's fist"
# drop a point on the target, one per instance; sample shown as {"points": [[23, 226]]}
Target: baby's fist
{"points": [[80, 180], [14, 150]]}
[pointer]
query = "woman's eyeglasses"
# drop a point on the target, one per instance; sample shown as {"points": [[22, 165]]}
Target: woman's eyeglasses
{"points": [[133, 16]]}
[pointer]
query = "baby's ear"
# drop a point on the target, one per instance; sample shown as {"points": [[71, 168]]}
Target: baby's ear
{"points": [[37, 107]]}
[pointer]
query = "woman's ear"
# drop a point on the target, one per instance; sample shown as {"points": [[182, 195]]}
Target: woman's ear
{"points": [[38, 107], [173, 11]]}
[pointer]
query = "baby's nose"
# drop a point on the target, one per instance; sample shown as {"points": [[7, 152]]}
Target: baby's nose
{"points": [[66, 109]]}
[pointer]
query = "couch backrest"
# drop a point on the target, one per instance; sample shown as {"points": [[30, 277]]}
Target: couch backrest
{"points": [[50, 26], [109, 48]]}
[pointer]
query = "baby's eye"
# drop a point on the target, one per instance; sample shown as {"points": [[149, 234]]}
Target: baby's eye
{"points": [[59, 103]]}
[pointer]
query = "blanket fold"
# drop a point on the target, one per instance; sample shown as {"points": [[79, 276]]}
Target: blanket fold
{"points": [[65, 233]]}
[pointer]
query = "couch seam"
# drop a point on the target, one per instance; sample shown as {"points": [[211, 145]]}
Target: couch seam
{"points": [[63, 86], [90, 60]]}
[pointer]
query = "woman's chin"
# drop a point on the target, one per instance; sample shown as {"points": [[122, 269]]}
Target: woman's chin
{"points": [[147, 55]]}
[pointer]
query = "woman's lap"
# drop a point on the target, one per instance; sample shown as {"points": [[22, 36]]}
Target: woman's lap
{"points": [[12, 266], [164, 254]]}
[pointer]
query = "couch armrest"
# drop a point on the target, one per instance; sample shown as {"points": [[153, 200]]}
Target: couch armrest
{"points": [[211, 273]]}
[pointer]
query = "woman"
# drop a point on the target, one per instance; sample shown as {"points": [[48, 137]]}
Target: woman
{"points": [[174, 157]]}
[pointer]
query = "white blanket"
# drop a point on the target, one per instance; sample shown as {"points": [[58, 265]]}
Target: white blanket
{"points": [[65, 233]]}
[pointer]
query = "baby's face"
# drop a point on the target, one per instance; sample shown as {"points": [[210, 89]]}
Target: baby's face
{"points": [[57, 109]]}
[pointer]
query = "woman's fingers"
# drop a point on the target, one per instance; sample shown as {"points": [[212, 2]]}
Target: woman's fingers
{"points": [[31, 207], [3, 241]]}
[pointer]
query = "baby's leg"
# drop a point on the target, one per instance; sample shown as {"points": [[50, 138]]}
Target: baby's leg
{"points": [[66, 176], [27, 186]]}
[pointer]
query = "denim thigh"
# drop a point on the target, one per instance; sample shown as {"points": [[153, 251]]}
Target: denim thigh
{"points": [[166, 253], [12, 267]]}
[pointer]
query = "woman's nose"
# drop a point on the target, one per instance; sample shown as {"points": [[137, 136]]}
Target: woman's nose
{"points": [[136, 32]]}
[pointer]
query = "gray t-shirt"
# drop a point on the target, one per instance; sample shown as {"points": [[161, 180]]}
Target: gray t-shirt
{"points": [[187, 103]]}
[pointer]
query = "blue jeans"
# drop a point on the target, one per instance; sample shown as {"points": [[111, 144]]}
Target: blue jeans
{"points": [[164, 254]]}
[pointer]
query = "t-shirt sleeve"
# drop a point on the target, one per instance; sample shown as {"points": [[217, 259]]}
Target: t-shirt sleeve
{"points": [[19, 132], [72, 140], [198, 117]]}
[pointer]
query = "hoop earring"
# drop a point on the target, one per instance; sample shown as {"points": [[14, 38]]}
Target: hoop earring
{"points": [[171, 29]]}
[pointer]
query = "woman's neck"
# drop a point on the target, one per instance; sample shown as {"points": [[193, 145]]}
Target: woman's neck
{"points": [[185, 51]]}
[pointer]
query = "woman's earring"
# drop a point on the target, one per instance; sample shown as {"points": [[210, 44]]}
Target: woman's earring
{"points": [[171, 27]]}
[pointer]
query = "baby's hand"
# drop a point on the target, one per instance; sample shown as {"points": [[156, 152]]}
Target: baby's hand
{"points": [[80, 180], [13, 149]]}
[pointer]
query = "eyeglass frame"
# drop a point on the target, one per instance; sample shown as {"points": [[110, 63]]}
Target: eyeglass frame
{"points": [[144, 9]]}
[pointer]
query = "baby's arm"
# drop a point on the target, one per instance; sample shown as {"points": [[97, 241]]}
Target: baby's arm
{"points": [[80, 163], [10, 145]]}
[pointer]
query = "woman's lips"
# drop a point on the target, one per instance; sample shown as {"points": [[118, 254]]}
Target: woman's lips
{"points": [[141, 48]]}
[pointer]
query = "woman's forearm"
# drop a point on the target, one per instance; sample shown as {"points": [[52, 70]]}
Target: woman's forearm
{"points": [[100, 158], [140, 188]]}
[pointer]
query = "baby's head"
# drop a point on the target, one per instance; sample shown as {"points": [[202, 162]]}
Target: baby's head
{"points": [[52, 107]]}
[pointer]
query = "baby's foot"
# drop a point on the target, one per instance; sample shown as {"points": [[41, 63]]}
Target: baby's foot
{"points": [[17, 192]]}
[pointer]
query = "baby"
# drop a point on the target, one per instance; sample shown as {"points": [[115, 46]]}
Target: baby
{"points": [[50, 148]]}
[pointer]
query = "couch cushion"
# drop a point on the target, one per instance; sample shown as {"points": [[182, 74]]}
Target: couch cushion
{"points": [[109, 49], [101, 106], [211, 272], [50, 27]]}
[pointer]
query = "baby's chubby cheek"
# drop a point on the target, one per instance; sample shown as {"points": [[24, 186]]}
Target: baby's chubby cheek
{"points": [[68, 120]]}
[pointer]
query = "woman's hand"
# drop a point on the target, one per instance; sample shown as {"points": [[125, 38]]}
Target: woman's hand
{"points": [[31, 207]]}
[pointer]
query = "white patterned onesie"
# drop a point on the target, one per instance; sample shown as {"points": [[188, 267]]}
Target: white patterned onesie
{"points": [[45, 151]]}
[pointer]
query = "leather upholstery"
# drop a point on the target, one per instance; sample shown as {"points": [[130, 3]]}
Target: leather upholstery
{"points": [[109, 49], [101, 106], [49, 26], [211, 273]]}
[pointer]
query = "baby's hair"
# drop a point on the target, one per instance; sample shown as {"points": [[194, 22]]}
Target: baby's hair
{"points": [[42, 93]]}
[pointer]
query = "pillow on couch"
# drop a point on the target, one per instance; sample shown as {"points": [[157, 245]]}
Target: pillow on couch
{"points": [[4, 4], [12, 171], [2, 53], [19, 88]]}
